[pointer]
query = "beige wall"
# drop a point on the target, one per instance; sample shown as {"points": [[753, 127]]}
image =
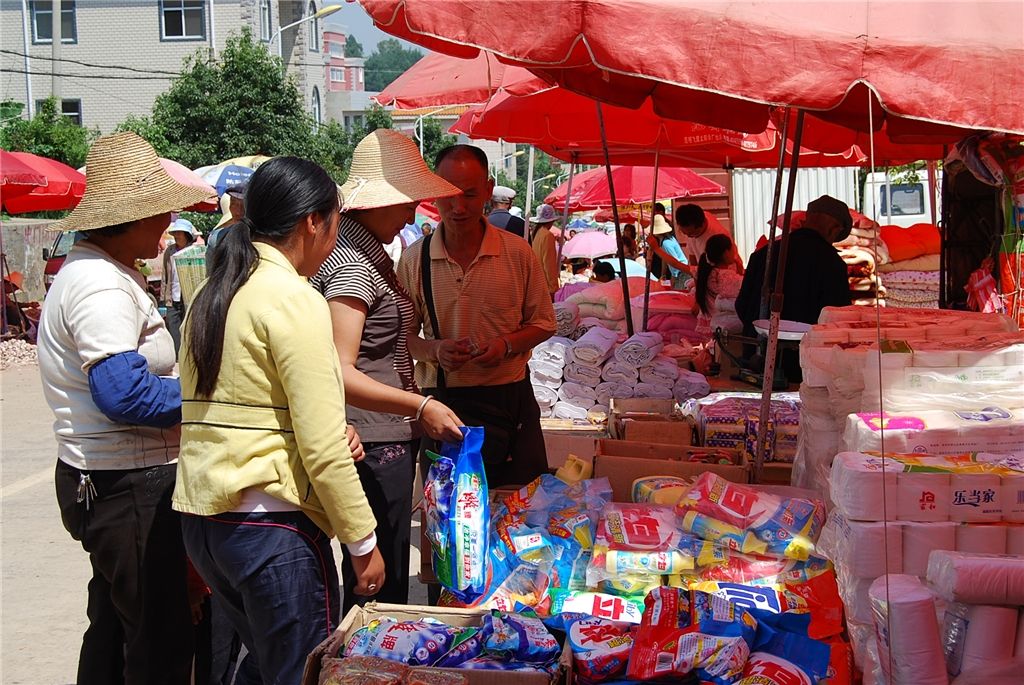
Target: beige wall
{"points": [[127, 33]]}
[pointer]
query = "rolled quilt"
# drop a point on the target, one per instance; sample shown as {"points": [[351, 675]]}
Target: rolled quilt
{"points": [[567, 317], [595, 346], [690, 384], [616, 372], [555, 350], [564, 410], [609, 389], [584, 374], [652, 391], [546, 397], [546, 412], [545, 373], [577, 395], [640, 349], [661, 371]]}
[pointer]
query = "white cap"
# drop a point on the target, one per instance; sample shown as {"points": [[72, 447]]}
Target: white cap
{"points": [[502, 194]]}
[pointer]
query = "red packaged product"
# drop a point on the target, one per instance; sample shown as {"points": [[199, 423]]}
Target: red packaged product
{"points": [[824, 604]]}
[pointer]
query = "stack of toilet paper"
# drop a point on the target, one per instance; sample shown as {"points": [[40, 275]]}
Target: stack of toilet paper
{"points": [[731, 421], [983, 620]]}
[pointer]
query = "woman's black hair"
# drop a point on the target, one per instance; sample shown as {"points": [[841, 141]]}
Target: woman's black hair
{"points": [[714, 252], [282, 192], [604, 269]]}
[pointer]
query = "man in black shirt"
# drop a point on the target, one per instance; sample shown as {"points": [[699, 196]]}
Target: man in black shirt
{"points": [[815, 275], [501, 203]]}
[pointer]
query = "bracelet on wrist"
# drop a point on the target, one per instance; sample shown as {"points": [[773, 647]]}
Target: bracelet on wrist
{"points": [[423, 404]]}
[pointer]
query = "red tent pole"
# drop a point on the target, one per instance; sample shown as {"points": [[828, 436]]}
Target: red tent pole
{"points": [[615, 215], [776, 303], [654, 199], [766, 284]]}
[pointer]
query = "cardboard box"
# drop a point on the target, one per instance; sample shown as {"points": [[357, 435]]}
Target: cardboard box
{"points": [[657, 429], [560, 444], [623, 461], [359, 617], [621, 410]]}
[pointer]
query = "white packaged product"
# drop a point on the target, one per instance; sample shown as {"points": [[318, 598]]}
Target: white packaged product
{"points": [[977, 538], [921, 539], [976, 497], [863, 487], [977, 578], [909, 647], [936, 432], [1018, 647], [1013, 498], [924, 496], [1015, 539], [975, 635], [864, 549], [856, 596]]}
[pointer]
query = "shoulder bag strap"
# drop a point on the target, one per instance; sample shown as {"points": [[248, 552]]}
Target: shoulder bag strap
{"points": [[428, 298]]}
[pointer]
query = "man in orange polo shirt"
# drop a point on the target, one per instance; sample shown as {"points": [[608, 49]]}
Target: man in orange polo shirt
{"points": [[492, 306]]}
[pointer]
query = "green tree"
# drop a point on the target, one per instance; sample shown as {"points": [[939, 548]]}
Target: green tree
{"points": [[241, 104], [387, 62], [48, 134], [435, 139], [353, 48], [543, 165]]}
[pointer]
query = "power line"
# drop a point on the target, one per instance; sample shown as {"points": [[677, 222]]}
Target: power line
{"points": [[101, 77]]}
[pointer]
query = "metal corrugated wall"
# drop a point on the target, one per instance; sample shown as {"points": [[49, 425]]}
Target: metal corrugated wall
{"points": [[753, 190]]}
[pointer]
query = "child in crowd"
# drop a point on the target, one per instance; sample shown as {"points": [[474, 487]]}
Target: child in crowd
{"points": [[718, 284]]}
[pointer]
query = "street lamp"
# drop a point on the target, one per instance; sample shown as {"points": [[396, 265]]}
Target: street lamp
{"points": [[540, 180], [500, 163], [325, 11]]}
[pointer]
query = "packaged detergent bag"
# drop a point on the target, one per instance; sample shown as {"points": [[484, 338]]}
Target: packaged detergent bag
{"points": [[455, 500]]}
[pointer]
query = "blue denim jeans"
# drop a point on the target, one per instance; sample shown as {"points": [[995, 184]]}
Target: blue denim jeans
{"points": [[275, 577]]}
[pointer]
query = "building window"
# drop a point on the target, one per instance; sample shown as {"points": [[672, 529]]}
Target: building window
{"points": [[266, 19], [907, 198], [183, 19], [314, 29], [42, 21], [336, 49], [315, 109], [337, 75], [72, 109]]}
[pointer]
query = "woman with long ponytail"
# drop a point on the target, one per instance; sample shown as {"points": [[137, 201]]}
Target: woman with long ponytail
{"points": [[266, 475], [718, 284]]}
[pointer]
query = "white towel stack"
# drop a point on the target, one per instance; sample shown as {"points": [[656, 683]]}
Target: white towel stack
{"points": [[609, 389], [640, 349], [660, 371], [584, 374], [545, 374], [652, 391], [567, 318], [577, 395], [615, 371], [564, 410], [689, 385], [595, 346], [556, 350]]}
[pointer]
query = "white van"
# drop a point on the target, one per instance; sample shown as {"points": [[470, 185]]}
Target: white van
{"points": [[911, 199]]}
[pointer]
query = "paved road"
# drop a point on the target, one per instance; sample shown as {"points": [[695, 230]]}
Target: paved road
{"points": [[43, 572]]}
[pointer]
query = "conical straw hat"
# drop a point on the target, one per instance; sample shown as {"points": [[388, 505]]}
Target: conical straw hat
{"points": [[125, 183], [387, 169]]}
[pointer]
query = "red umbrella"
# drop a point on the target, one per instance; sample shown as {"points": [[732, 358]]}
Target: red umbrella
{"points": [[633, 185], [433, 82], [63, 187], [923, 66], [17, 177]]}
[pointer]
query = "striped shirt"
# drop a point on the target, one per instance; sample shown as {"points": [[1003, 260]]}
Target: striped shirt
{"points": [[502, 291], [358, 267]]}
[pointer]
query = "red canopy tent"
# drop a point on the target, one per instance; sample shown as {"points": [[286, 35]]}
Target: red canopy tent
{"points": [[633, 185], [17, 177], [931, 70]]}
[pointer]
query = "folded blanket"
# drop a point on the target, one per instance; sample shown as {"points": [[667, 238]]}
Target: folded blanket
{"points": [[567, 318], [570, 289], [547, 413], [577, 395], [690, 384], [595, 346], [609, 389], [928, 262], [556, 350], [929, 279], [588, 322], [546, 397], [584, 374], [661, 371], [652, 391], [617, 372], [640, 349], [544, 373], [564, 410]]}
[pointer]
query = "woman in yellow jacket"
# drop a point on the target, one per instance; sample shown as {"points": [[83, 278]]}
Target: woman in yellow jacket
{"points": [[265, 474]]}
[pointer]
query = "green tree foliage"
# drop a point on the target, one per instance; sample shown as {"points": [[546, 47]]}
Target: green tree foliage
{"points": [[435, 139], [48, 134], [353, 48], [387, 62], [241, 104], [543, 165]]}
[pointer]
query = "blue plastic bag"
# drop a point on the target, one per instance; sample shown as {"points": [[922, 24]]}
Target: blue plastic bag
{"points": [[456, 502]]}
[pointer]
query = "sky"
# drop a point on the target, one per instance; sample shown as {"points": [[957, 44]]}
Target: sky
{"points": [[354, 18]]}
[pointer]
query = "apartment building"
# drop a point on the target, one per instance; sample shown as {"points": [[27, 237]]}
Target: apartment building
{"points": [[117, 56]]}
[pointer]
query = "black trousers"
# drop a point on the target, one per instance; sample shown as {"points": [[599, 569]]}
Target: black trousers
{"points": [[527, 457], [387, 475], [140, 627]]}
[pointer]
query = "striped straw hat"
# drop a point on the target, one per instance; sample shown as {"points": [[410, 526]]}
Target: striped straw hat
{"points": [[125, 183], [387, 170]]}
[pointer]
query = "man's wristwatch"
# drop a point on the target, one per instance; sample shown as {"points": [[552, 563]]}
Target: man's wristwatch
{"points": [[508, 347]]}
